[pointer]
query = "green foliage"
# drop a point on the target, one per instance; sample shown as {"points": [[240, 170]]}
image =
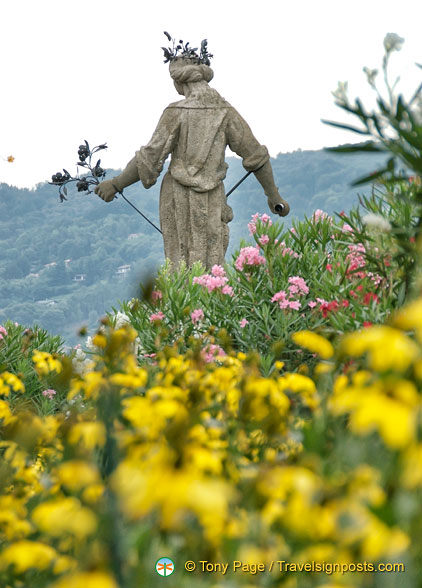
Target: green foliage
{"points": [[98, 237], [320, 275], [16, 351]]}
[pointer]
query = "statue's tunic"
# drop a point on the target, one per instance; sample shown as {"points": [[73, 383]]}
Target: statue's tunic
{"points": [[193, 209]]}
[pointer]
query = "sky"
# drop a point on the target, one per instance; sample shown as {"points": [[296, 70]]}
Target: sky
{"points": [[93, 69]]}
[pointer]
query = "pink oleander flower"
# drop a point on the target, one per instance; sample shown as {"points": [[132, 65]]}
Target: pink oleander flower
{"points": [[152, 355], [156, 295], [210, 282], [312, 304], [264, 239], [252, 223], [279, 297], [376, 278], [212, 352], [156, 317], [319, 215], [3, 332], [227, 290], [197, 315], [293, 304], [322, 301], [300, 285], [255, 218], [218, 271], [288, 251], [265, 218], [249, 256], [243, 323], [356, 260], [346, 228], [49, 393]]}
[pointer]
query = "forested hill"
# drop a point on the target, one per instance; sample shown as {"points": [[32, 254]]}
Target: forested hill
{"points": [[63, 265]]}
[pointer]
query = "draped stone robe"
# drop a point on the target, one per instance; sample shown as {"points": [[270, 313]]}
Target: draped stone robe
{"points": [[193, 209]]}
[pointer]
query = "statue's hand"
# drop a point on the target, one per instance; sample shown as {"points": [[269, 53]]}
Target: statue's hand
{"points": [[274, 202], [106, 190]]}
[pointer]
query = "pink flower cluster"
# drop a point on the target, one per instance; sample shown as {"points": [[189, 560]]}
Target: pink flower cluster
{"points": [[158, 316], [156, 295], [319, 215], [197, 315], [296, 288], [288, 251], [264, 218], [215, 280], [212, 352], [356, 260], [3, 332], [248, 256], [49, 393]]}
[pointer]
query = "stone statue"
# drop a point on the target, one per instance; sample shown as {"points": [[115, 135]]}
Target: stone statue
{"points": [[195, 131]]}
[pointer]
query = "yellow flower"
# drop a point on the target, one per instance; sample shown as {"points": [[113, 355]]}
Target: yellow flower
{"points": [[88, 434], [129, 380], [412, 470], [177, 494], [7, 381], [323, 368], [64, 515], [5, 413], [204, 460], [24, 555], [388, 348], [315, 343], [13, 521], [99, 340], [365, 485], [86, 580], [64, 563], [371, 410], [91, 385], [382, 541], [92, 494], [410, 317], [45, 363], [10, 158], [76, 474], [300, 384]]}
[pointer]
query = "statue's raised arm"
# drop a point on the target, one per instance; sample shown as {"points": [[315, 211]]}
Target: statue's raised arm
{"points": [[195, 131]]}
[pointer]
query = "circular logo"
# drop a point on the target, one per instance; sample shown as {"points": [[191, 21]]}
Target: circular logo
{"points": [[164, 566]]}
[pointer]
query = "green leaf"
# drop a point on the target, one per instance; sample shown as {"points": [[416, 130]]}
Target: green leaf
{"points": [[345, 127], [369, 146], [400, 109]]}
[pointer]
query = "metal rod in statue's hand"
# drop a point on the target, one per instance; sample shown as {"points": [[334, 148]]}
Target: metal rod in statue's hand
{"points": [[277, 207], [238, 184], [133, 206]]}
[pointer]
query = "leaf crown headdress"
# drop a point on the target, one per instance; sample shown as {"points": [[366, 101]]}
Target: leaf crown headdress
{"points": [[184, 51]]}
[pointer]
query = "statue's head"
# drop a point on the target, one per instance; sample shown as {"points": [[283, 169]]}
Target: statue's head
{"points": [[188, 71], [186, 65]]}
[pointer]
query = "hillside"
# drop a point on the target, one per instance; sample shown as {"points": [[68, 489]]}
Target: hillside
{"points": [[63, 265]]}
